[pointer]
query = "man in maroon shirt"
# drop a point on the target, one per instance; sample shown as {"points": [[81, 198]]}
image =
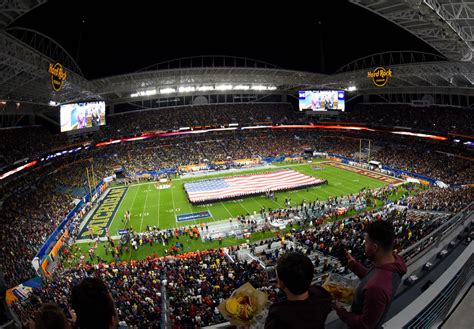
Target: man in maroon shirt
{"points": [[378, 285], [305, 306]]}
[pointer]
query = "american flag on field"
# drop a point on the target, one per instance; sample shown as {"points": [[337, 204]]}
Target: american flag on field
{"points": [[225, 188]]}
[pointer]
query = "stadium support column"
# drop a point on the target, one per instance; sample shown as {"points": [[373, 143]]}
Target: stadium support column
{"points": [[368, 156], [89, 182]]}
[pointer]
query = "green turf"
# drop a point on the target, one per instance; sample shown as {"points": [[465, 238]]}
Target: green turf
{"points": [[159, 249], [152, 206], [193, 245]]}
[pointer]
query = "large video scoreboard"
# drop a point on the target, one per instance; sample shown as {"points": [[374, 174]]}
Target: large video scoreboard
{"points": [[82, 115], [321, 100]]}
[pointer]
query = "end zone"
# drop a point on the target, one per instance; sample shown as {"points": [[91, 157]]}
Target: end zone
{"points": [[103, 215], [364, 172]]}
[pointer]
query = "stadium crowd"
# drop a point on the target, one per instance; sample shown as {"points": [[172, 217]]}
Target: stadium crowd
{"points": [[431, 118], [197, 285], [197, 282], [440, 199], [34, 204], [49, 195], [199, 115], [135, 287], [332, 239], [37, 140]]}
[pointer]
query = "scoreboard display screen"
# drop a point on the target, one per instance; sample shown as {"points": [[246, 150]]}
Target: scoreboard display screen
{"points": [[321, 100], [82, 115]]}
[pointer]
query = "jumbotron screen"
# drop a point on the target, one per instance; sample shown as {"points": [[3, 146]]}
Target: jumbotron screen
{"points": [[82, 115], [321, 100]]}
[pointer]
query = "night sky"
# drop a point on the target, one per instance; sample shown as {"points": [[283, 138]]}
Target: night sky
{"points": [[116, 37]]}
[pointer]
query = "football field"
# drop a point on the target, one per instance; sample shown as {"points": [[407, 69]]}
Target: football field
{"points": [[169, 207]]}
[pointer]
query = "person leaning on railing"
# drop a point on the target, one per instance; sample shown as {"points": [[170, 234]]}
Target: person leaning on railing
{"points": [[378, 285]]}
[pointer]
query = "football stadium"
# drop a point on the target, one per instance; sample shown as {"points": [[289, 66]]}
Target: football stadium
{"points": [[318, 173]]}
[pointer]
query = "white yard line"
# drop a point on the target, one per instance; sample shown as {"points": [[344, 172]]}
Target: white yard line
{"points": [[174, 206], [133, 201], [227, 209], [143, 211], [261, 205], [319, 196], [279, 205], [242, 205], [159, 194], [191, 211], [116, 213]]}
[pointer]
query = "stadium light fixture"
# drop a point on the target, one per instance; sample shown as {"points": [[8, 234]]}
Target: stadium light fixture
{"points": [[259, 87], [241, 87], [53, 103], [271, 88], [186, 89], [144, 93], [224, 87], [205, 88], [351, 88], [167, 91]]}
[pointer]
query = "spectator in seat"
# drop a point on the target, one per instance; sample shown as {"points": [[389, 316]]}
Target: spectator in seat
{"points": [[305, 306], [50, 316], [93, 304], [378, 284]]}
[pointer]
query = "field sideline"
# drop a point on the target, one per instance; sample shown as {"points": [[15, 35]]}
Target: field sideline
{"points": [[152, 206]]}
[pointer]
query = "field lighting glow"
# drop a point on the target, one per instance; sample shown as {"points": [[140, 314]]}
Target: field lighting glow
{"points": [[191, 89], [223, 87], [167, 91]]}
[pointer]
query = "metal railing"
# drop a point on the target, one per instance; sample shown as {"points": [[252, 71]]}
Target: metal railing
{"points": [[165, 316], [419, 249], [441, 304], [433, 305]]}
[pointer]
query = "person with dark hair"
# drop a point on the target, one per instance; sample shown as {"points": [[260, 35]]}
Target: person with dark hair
{"points": [[95, 117], [305, 306], [378, 285], [50, 316], [93, 304]]}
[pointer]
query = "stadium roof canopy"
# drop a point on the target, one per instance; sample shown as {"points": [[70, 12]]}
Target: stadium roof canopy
{"points": [[446, 25], [25, 56], [204, 75], [412, 73], [11, 10]]}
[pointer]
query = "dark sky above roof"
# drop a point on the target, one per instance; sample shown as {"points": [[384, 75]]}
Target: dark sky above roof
{"points": [[115, 37]]}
